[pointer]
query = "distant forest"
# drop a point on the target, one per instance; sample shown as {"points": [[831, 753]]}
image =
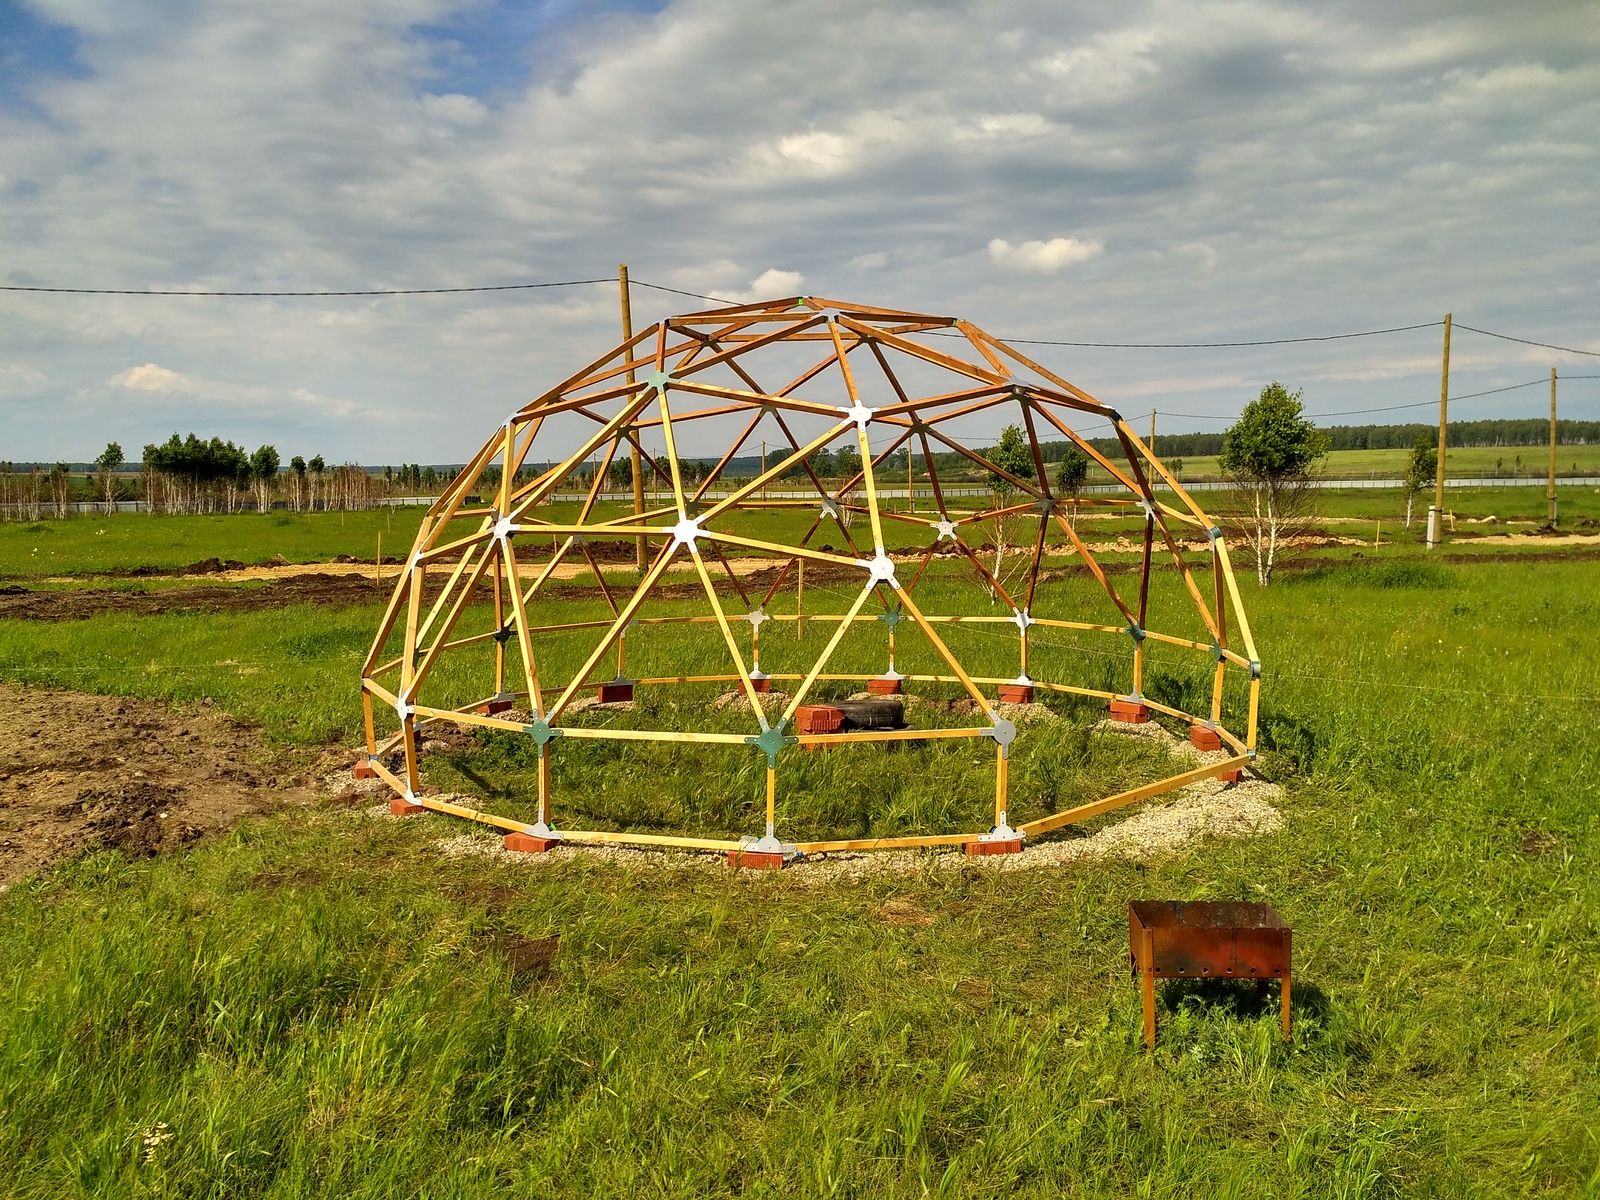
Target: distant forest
{"points": [[1520, 432]]}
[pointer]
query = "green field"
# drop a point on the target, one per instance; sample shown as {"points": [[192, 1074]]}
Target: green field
{"points": [[1465, 462], [320, 1004], [90, 545]]}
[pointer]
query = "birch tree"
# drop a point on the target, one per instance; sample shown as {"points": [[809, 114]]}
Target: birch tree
{"points": [[1419, 472], [1270, 455]]}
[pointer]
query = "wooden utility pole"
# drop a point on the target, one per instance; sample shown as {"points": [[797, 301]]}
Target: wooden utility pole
{"points": [[763, 470], [1436, 515], [641, 555], [1550, 492], [1152, 431], [911, 481]]}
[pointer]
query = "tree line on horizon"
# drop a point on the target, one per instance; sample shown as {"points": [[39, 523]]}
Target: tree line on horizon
{"points": [[191, 474]]}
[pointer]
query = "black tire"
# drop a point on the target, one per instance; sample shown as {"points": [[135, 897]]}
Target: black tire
{"points": [[880, 713]]}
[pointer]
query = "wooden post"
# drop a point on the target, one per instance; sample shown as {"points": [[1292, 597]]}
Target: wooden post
{"points": [[1152, 431], [800, 602], [641, 551], [1550, 492], [911, 481], [377, 574], [1436, 517], [1000, 786], [763, 470]]}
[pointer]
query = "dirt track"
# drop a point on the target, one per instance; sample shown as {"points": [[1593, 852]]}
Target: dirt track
{"points": [[282, 586]]}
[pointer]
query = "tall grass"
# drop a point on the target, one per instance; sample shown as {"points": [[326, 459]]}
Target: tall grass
{"points": [[321, 1005]]}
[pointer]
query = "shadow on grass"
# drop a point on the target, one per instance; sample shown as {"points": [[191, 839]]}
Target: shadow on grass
{"points": [[1242, 998]]}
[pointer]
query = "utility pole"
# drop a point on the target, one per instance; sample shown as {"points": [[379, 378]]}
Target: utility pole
{"points": [[1436, 513], [763, 471], [1152, 432], [633, 445], [1550, 492], [911, 480]]}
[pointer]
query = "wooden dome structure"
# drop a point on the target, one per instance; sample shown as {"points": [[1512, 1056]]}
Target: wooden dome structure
{"points": [[809, 374]]}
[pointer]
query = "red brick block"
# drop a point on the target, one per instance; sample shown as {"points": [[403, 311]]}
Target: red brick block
{"points": [[884, 687], [763, 684], [399, 806], [985, 849], [755, 860], [818, 718], [1130, 712], [615, 693], [1016, 693], [364, 769], [490, 708], [1229, 776], [1202, 738], [530, 843]]}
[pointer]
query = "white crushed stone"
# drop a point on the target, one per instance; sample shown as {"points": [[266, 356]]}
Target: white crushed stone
{"points": [[592, 703], [737, 701], [1208, 808]]}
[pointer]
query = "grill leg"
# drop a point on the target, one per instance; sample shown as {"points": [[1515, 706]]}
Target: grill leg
{"points": [[1148, 981]]}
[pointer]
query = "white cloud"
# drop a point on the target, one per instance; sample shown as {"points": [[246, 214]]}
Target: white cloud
{"points": [[20, 376], [1263, 168], [461, 110], [1199, 252], [162, 381], [1044, 258], [771, 284]]}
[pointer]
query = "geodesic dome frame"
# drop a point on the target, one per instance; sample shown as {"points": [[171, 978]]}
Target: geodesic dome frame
{"points": [[699, 367]]}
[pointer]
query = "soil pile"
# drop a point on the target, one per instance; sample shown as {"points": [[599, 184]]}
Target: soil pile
{"points": [[79, 772]]}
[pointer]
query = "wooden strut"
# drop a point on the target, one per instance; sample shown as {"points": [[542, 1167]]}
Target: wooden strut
{"points": [[471, 549]]}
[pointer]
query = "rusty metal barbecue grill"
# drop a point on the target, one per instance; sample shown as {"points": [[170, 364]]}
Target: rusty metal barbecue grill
{"points": [[1202, 939]]}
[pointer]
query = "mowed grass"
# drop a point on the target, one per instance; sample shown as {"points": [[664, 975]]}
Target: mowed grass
{"points": [[323, 1005], [92, 543]]}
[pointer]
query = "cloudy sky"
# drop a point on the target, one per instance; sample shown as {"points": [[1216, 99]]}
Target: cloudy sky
{"points": [[1120, 172]]}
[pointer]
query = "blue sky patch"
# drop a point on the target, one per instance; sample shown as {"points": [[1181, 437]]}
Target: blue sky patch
{"points": [[494, 48], [31, 48]]}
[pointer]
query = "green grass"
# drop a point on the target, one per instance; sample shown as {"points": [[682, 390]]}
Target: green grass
{"points": [[1466, 461], [90, 544], [320, 1004]]}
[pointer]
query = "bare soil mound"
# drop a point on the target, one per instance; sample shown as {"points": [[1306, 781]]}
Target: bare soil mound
{"points": [[28, 604], [79, 772]]}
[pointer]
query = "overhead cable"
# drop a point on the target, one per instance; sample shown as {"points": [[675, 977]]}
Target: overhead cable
{"points": [[1506, 337], [562, 283], [436, 291]]}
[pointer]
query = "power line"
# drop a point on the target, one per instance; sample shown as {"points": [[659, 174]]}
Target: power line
{"points": [[561, 283], [1324, 337], [680, 292], [1506, 337], [438, 291]]}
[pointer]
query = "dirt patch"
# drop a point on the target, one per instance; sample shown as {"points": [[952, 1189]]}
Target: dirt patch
{"points": [[1536, 843], [79, 772], [529, 959], [311, 585], [1539, 539], [28, 604]]}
